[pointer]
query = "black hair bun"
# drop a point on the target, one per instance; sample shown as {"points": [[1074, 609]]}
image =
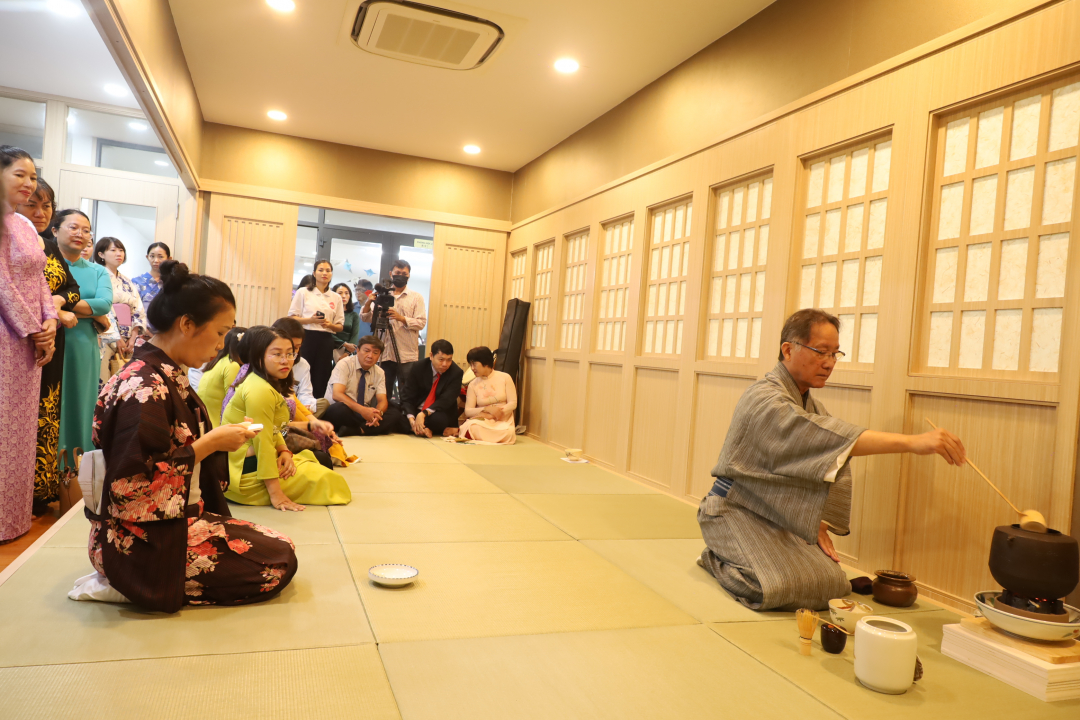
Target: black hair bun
{"points": [[174, 274]]}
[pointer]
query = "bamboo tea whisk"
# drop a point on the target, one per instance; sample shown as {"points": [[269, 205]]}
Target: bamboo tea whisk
{"points": [[1030, 520], [807, 620]]}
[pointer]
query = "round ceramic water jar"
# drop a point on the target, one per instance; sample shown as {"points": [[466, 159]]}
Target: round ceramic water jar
{"points": [[895, 588], [885, 652]]}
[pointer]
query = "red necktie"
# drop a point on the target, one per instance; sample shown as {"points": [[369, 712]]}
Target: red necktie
{"points": [[431, 395]]}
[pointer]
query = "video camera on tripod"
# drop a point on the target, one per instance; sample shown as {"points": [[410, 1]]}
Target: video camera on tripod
{"points": [[380, 316]]}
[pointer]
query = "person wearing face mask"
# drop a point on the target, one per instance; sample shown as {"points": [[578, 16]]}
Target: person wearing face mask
{"points": [[27, 336], [82, 355], [407, 317], [65, 295], [149, 283]]}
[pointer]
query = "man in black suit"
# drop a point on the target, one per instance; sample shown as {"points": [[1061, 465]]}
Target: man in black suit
{"points": [[431, 392]]}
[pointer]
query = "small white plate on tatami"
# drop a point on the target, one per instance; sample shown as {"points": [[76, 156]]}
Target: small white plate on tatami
{"points": [[392, 575]]}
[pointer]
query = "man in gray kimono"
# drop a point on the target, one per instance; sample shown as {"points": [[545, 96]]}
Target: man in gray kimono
{"points": [[783, 480]]}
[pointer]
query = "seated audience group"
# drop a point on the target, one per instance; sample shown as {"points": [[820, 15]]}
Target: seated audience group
{"points": [[191, 412]]}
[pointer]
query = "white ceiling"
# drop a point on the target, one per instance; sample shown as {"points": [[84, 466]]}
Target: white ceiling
{"points": [[247, 59], [47, 52]]}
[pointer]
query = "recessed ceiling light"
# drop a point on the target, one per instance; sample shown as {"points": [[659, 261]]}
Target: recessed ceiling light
{"points": [[64, 8], [139, 126], [162, 163], [282, 5], [277, 115], [116, 90], [567, 65], [472, 149]]}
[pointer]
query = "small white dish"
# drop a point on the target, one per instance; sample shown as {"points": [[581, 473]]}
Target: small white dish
{"points": [[1027, 627], [393, 575]]}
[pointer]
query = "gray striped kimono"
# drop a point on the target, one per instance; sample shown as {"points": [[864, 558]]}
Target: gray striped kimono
{"points": [[782, 471]]}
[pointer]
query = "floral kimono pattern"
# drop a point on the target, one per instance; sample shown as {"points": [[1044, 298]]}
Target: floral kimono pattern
{"points": [[156, 546]]}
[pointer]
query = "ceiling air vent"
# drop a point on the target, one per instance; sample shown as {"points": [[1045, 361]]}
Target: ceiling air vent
{"points": [[424, 34]]}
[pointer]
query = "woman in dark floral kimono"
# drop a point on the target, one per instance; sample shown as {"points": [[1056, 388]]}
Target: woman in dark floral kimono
{"points": [[165, 537]]}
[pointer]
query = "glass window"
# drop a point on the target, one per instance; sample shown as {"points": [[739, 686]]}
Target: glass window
{"points": [[307, 243], [309, 215], [22, 124], [132, 225], [355, 260], [116, 142]]}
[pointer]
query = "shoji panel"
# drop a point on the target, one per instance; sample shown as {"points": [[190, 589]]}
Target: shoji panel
{"points": [[668, 259], [950, 513], [576, 256], [565, 429], [740, 249], [517, 274], [714, 402], [250, 246], [536, 387], [615, 280], [466, 305], [545, 253], [842, 240], [853, 405], [653, 432], [602, 435], [999, 235]]}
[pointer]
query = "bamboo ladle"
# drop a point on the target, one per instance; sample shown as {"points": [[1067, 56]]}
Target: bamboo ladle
{"points": [[1030, 520]]}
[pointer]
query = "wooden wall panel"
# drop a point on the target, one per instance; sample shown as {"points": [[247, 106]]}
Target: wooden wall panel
{"points": [[653, 433], [536, 385], [567, 402], [466, 305], [950, 514], [250, 246], [852, 404], [714, 402], [602, 397]]}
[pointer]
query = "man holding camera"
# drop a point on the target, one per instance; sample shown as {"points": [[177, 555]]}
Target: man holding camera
{"points": [[407, 318]]}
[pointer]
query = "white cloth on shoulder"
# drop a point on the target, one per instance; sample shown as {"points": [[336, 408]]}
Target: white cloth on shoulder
{"points": [[96, 587]]}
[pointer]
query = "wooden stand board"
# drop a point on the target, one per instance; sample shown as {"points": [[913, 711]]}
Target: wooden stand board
{"points": [[1056, 653]]}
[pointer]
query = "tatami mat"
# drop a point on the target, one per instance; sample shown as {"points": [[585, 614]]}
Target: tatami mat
{"points": [[583, 479], [504, 588], [440, 517], [75, 533], [402, 477], [525, 451], [669, 567], [949, 690], [602, 517], [41, 626], [394, 448], [327, 684], [670, 673]]}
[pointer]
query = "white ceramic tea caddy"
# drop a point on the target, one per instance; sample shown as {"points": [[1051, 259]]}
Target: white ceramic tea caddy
{"points": [[885, 652]]}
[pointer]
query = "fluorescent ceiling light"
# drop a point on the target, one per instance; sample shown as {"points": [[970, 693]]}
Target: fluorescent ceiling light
{"points": [[162, 163], [277, 115], [282, 5], [64, 8], [139, 126], [116, 90], [472, 149], [567, 65]]}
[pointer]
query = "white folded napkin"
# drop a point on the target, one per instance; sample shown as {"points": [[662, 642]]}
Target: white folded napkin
{"points": [[95, 586]]}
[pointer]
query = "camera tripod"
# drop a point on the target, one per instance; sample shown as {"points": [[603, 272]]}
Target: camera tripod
{"points": [[381, 328]]}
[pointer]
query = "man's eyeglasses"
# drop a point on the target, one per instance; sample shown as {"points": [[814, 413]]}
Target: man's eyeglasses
{"points": [[838, 355]]}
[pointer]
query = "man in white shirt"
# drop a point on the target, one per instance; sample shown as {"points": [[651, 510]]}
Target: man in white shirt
{"points": [[357, 393], [301, 370], [407, 318]]}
